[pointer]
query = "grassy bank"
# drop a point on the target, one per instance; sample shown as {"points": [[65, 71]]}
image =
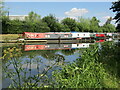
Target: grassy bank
{"points": [[94, 69], [8, 36]]}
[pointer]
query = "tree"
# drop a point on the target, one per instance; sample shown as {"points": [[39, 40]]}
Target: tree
{"points": [[83, 24], [108, 20], [32, 17], [34, 23], [94, 24], [2, 12], [52, 23], [65, 28], [5, 24], [108, 28], [70, 23], [116, 8]]}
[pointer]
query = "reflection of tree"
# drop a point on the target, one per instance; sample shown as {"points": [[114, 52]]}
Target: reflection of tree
{"points": [[20, 71], [48, 54], [68, 52]]}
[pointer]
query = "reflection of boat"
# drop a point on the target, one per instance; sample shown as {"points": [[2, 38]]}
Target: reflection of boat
{"points": [[60, 46], [102, 40], [55, 46]]}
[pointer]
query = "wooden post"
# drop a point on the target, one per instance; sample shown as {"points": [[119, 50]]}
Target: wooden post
{"points": [[59, 39]]}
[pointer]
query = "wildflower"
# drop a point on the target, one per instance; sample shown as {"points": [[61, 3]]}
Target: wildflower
{"points": [[15, 55], [5, 51], [46, 86], [76, 68], [17, 49], [11, 50], [8, 58], [1, 57], [14, 47], [8, 48], [4, 55], [11, 56]]}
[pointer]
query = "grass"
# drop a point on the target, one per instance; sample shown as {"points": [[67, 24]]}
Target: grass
{"points": [[86, 72], [9, 36]]}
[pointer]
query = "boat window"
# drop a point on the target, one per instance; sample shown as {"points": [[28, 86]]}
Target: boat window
{"points": [[66, 35], [37, 35], [47, 35]]}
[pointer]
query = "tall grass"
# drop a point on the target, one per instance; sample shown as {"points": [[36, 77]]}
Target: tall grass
{"points": [[86, 72]]}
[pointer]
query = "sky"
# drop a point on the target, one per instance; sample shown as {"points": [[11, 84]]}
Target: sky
{"points": [[63, 9]]}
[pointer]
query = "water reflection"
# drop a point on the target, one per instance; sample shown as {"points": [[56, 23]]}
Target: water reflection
{"points": [[55, 46], [37, 62], [62, 46]]}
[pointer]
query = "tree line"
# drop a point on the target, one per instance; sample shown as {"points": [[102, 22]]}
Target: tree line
{"points": [[34, 23]]}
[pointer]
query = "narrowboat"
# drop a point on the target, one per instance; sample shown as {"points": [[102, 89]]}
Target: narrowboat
{"points": [[54, 35], [64, 36]]}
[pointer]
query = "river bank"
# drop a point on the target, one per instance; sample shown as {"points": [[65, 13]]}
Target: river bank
{"points": [[9, 36]]}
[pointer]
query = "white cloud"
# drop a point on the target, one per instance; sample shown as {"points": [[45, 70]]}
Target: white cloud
{"points": [[61, 18], [74, 18], [76, 12], [106, 17], [101, 24]]}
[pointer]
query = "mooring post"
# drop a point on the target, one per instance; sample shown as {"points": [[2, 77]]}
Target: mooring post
{"points": [[59, 39]]}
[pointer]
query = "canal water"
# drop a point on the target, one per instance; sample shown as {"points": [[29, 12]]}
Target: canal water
{"points": [[35, 62]]}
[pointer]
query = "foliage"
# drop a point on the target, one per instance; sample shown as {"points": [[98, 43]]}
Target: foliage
{"points": [[116, 8], [94, 24], [70, 23], [111, 54], [108, 20], [86, 72], [32, 17], [2, 12], [52, 23], [83, 24], [19, 71], [94, 68], [108, 28], [33, 23], [5, 24], [18, 26]]}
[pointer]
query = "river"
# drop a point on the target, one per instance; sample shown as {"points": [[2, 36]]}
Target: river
{"points": [[33, 64]]}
